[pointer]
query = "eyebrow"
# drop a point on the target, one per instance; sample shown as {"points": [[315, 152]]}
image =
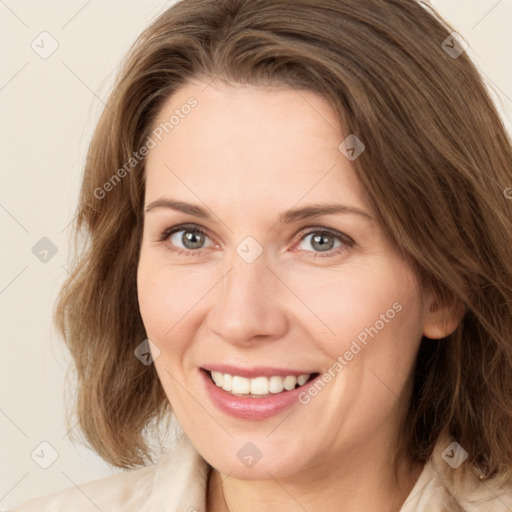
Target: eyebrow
{"points": [[287, 217]]}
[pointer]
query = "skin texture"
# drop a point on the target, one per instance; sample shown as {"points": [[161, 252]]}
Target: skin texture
{"points": [[247, 154]]}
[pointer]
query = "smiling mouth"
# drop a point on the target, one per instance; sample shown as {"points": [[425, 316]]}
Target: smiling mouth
{"points": [[259, 387]]}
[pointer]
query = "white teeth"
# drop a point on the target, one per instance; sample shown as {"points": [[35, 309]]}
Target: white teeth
{"points": [[275, 384], [289, 382], [227, 382], [259, 386], [301, 379], [217, 378], [240, 385]]}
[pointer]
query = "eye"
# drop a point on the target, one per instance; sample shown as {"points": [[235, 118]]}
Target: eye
{"points": [[191, 237], [324, 242]]}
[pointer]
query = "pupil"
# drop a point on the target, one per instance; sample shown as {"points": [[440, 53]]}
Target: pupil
{"points": [[194, 238], [324, 246]]}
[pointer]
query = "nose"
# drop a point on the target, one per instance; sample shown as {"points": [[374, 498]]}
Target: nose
{"points": [[247, 307]]}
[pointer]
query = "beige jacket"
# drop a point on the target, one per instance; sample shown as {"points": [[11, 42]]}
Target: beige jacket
{"points": [[178, 484]]}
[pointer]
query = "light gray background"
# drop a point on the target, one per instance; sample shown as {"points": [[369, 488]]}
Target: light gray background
{"points": [[48, 109]]}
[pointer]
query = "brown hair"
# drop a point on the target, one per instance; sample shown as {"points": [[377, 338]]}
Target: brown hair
{"points": [[436, 165]]}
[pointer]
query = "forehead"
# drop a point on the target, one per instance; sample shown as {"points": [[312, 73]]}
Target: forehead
{"points": [[245, 145]]}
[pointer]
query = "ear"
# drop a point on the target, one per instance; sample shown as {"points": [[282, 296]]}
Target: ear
{"points": [[442, 317]]}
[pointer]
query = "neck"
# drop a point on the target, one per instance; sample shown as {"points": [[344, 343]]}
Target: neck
{"points": [[364, 481]]}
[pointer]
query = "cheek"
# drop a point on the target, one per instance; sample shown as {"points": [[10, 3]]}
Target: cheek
{"points": [[170, 301], [380, 350], [378, 330], [358, 302], [154, 301], [164, 300]]}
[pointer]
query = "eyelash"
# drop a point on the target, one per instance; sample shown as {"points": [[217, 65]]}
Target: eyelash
{"points": [[346, 240]]}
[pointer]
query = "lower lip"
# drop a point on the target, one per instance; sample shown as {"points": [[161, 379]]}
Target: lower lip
{"points": [[251, 408]]}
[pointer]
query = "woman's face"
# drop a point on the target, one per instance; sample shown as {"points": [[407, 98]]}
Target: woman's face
{"points": [[269, 292]]}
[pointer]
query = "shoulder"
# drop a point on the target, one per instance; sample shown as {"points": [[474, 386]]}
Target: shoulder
{"points": [[94, 495], [450, 484], [180, 476]]}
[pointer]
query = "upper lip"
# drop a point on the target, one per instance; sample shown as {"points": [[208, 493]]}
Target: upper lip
{"points": [[255, 371]]}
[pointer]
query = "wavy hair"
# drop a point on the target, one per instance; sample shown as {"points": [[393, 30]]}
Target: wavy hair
{"points": [[437, 168]]}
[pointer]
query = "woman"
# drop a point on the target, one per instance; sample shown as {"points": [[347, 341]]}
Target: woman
{"points": [[299, 227]]}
